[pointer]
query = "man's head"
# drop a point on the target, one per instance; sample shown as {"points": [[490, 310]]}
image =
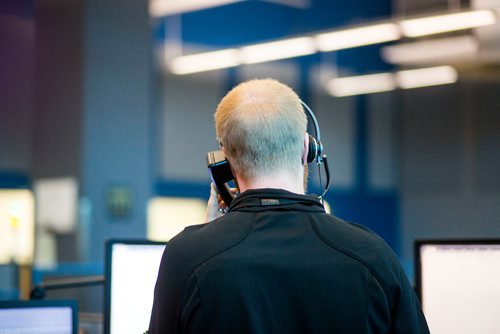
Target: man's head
{"points": [[261, 126]]}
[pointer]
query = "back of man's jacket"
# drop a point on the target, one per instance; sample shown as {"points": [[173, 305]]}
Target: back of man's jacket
{"points": [[277, 263]]}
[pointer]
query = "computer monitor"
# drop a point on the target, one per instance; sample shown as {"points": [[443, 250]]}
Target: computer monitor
{"points": [[131, 272], [458, 283], [47, 316]]}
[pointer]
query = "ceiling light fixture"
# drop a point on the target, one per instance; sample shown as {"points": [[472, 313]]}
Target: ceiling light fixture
{"points": [[287, 48], [431, 50], [361, 84], [383, 82], [207, 61], [425, 77], [350, 38], [447, 22]]}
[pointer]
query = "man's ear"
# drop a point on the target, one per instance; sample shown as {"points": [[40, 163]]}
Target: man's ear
{"points": [[306, 149]]}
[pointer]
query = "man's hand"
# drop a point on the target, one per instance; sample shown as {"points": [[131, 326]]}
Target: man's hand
{"points": [[215, 207]]}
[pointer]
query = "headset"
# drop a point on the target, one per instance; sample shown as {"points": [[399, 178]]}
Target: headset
{"points": [[315, 152], [221, 175]]}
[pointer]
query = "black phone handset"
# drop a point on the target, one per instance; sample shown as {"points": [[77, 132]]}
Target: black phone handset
{"points": [[221, 175]]}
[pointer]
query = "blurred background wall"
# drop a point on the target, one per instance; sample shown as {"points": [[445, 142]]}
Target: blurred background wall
{"points": [[86, 100]]}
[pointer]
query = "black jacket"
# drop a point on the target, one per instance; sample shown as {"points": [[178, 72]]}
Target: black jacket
{"points": [[277, 263]]}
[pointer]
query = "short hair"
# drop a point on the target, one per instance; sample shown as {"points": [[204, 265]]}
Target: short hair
{"points": [[261, 125]]}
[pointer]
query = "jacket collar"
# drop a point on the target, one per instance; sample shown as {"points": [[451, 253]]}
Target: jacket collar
{"points": [[269, 199]]}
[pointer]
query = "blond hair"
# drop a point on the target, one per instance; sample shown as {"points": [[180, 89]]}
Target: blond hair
{"points": [[261, 125]]}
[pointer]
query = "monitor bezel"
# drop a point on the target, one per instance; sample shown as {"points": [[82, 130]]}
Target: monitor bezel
{"points": [[108, 277], [19, 304], [421, 242]]}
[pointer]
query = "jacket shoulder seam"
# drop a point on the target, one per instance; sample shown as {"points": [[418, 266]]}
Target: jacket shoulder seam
{"points": [[357, 258]]}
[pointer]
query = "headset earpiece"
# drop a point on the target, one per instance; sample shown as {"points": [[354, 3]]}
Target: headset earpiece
{"points": [[315, 149], [315, 152]]}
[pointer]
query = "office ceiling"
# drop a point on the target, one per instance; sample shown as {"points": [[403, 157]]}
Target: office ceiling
{"points": [[243, 22], [256, 21], [253, 21]]}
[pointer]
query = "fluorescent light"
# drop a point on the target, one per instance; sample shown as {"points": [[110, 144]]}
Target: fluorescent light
{"points": [[349, 38], [205, 61], [383, 82], [287, 48], [169, 7], [362, 84], [447, 22], [431, 50], [424, 77]]}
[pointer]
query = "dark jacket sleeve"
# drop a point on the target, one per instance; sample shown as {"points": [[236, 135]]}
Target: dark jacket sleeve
{"points": [[407, 316], [168, 292], [162, 318]]}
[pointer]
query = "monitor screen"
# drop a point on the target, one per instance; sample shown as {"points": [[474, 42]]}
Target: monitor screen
{"points": [[131, 272], [458, 283], [28, 317]]}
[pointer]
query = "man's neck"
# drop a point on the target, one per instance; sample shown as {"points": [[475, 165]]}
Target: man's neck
{"points": [[285, 181]]}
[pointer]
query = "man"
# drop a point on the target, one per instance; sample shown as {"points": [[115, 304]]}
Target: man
{"points": [[276, 262]]}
